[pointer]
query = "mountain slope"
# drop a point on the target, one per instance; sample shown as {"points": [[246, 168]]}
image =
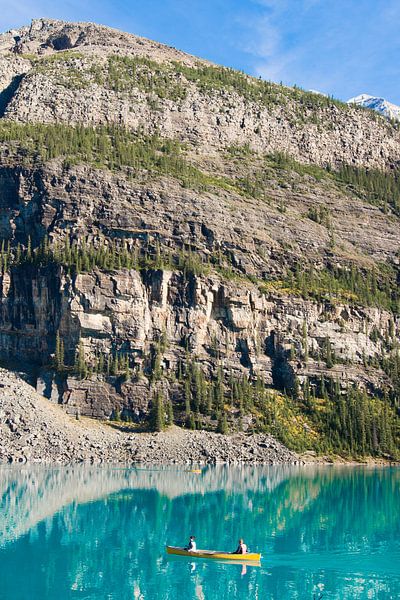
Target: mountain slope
{"points": [[179, 233], [83, 73]]}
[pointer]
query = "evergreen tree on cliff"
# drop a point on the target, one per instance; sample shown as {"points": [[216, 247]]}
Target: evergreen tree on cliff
{"points": [[157, 415]]}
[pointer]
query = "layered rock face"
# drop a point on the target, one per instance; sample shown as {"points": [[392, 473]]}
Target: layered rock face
{"points": [[240, 312], [127, 310], [46, 92]]}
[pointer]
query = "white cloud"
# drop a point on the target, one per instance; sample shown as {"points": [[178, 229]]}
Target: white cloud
{"points": [[275, 59], [263, 39]]}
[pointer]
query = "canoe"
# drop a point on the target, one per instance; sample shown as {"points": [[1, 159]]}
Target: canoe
{"points": [[215, 554]]}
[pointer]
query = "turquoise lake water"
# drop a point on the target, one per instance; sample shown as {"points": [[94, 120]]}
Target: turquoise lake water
{"points": [[99, 533]]}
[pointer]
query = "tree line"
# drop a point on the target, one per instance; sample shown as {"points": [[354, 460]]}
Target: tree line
{"points": [[111, 255], [381, 188], [372, 287], [316, 415]]}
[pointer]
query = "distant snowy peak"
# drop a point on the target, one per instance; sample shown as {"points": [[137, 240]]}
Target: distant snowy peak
{"points": [[318, 92], [380, 105]]}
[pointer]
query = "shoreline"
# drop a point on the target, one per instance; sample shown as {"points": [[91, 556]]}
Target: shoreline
{"points": [[13, 460], [98, 443], [335, 461]]}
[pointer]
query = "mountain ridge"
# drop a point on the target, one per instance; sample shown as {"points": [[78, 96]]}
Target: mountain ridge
{"points": [[269, 117], [379, 104]]}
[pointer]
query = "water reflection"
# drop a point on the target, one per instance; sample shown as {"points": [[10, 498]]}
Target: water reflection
{"points": [[31, 494], [89, 532]]}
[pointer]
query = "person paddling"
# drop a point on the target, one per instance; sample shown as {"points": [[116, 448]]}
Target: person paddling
{"points": [[242, 548], [191, 547]]}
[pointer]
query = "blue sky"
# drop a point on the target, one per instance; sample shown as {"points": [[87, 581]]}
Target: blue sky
{"points": [[340, 47]]}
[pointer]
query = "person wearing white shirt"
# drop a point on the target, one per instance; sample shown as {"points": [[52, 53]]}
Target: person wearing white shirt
{"points": [[191, 547], [242, 548]]}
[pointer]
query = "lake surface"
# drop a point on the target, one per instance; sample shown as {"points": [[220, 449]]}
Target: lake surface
{"points": [[99, 533]]}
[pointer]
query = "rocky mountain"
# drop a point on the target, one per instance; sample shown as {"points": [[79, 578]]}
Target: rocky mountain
{"points": [[181, 241], [380, 105]]}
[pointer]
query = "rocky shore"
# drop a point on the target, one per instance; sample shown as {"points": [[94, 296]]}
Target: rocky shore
{"points": [[33, 429]]}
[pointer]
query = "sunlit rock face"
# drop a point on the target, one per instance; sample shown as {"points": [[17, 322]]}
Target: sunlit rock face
{"points": [[250, 226]]}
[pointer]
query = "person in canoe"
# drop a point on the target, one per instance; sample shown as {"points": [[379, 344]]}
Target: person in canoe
{"points": [[191, 547], [241, 549]]}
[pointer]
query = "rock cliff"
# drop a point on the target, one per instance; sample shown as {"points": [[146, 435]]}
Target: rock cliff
{"points": [[196, 232]]}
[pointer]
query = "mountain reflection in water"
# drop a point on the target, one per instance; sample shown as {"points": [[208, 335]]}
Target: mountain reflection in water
{"points": [[92, 532]]}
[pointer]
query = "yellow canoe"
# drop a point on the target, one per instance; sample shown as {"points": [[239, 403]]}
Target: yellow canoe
{"points": [[215, 554]]}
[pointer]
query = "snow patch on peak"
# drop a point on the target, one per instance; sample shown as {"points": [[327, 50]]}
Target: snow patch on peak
{"points": [[380, 105], [318, 92], [360, 99]]}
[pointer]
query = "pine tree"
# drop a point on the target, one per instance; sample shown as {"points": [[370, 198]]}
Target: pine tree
{"points": [[170, 412], [190, 421], [59, 353], [219, 392], [157, 414], [127, 369], [109, 365], [209, 404], [222, 426], [80, 362], [115, 365], [29, 250], [157, 371], [329, 356], [296, 388], [188, 397]]}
